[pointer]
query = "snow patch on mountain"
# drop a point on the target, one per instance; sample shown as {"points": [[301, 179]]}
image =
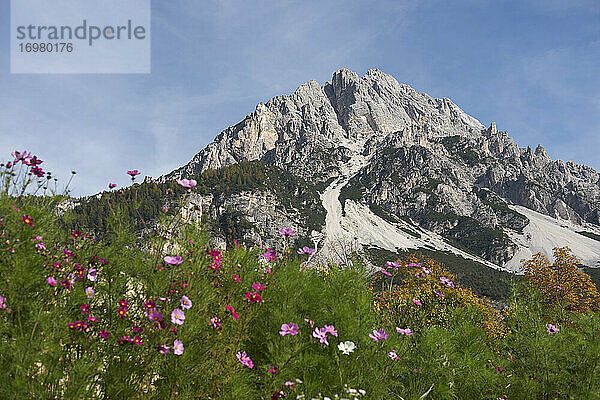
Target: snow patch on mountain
{"points": [[543, 233]]}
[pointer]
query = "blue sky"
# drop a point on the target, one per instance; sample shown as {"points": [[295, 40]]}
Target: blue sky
{"points": [[531, 66]]}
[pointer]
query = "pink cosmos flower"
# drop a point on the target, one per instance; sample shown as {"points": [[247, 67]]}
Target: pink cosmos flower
{"points": [[330, 329], [245, 360], [112, 185], [287, 232], [187, 183], [85, 308], [40, 246], [306, 250], [186, 303], [2, 302], [274, 370], [165, 208], [383, 271], [426, 271], [155, 316], [258, 286], [308, 321], [162, 349], [270, 255], [392, 354], [67, 284], [137, 329], [321, 334], [438, 293], [253, 297], [177, 316], [123, 303], [133, 173], [216, 322], [92, 319], [104, 334], [289, 329], [178, 347], [378, 335], [417, 302], [89, 291], [233, 313], [137, 340], [92, 274], [149, 304], [406, 331], [392, 264], [173, 260], [27, 220], [51, 281], [551, 329], [236, 278], [447, 282], [414, 265]]}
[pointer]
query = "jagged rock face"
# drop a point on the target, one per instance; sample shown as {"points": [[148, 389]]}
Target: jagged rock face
{"points": [[424, 158]]}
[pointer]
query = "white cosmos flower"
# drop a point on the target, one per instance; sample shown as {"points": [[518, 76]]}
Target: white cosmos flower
{"points": [[346, 347]]}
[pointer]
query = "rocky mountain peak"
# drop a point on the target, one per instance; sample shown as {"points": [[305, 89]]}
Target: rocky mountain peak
{"points": [[372, 143]]}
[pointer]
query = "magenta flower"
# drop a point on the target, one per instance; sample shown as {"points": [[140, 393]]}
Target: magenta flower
{"points": [[551, 329], [27, 220], [149, 304], [289, 329], [330, 329], [67, 284], [414, 265], [104, 334], [236, 278], [310, 322], [112, 185], [92, 319], [258, 286], [187, 183], [270, 255], [378, 335], [417, 302], [89, 291], [40, 246], [85, 308], [406, 331], [51, 281], [173, 260], [137, 329], [244, 359], [438, 293], [133, 173], [321, 334], [2, 302], [306, 250], [162, 349], [287, 232], [137, 340], [383, 271], [392, 264], [253, 297], [177, 316], [186, 303], [233, 313], [92, 274], [274, 370]]}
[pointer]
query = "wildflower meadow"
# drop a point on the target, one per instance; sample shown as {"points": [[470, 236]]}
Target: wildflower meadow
{"points": [[168, 315]]}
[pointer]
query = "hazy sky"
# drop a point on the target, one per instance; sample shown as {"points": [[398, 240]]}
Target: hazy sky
{"points": [[531, 66]]}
